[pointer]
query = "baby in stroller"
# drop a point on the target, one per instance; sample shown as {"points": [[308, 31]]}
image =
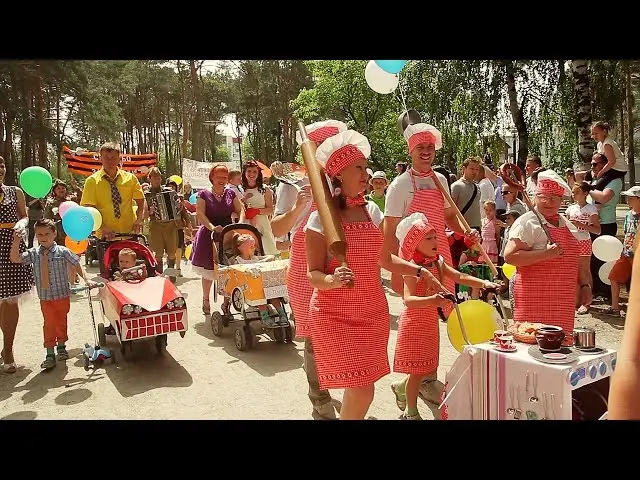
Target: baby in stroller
{"points": [[244, 247], [128, 267]]}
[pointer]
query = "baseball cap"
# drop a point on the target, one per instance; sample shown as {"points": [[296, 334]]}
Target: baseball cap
{"points": [[632, 192], [378, 174]]}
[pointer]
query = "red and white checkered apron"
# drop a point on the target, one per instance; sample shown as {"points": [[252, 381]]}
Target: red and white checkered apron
{"points": [[418, 342], [586, 248], [546, 292], [298, 286], [350, 326], [431, 203]]}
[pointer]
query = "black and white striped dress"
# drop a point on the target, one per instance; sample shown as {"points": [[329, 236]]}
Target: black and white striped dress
{"points": [[15, 279]]}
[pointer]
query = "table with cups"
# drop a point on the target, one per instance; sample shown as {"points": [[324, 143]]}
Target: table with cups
{"points": [[507, 379]]}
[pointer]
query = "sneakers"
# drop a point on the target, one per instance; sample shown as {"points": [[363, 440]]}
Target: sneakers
{"points": [[62, 354], [326, 411], [401, 399], [431, 391], [406, 416]]}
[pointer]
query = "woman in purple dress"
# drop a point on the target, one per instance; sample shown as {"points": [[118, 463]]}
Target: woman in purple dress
{"points": [[214, 209]]}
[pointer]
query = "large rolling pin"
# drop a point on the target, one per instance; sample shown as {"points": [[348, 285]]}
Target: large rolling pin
{"points": [[323, 198]]}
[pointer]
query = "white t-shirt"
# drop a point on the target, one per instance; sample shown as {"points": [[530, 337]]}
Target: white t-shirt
{"points": [[373, 210], [238, 189], [400, 193], [577, 214], [530, 188], [621, 164], [527, 229], [286, 196]]}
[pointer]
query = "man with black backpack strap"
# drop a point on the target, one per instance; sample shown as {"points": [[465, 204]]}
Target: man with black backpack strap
{"points": [[466, 195]]}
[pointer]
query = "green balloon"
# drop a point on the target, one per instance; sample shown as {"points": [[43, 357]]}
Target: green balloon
{"points": [[36, 182]]}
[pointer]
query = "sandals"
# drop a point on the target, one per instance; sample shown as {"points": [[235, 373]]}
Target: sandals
{"points": [[8, 367], [49, 363], [206, 307], [609, 310], [62, 354], [401, 399], [582, 310]]}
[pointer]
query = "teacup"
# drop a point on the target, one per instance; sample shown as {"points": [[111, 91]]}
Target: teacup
{"points": [[550, 338], [505, 342], [499, 333]]}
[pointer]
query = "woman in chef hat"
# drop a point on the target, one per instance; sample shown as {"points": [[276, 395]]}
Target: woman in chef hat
{"points": [[542, 297], [350, 326], [418, 343], [293, 207]]}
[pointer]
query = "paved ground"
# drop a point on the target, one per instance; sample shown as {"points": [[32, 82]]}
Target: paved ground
{"points": [[201, 376]]}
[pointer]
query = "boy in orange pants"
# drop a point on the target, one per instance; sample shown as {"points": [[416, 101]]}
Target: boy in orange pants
{"points": [[50, 267]]}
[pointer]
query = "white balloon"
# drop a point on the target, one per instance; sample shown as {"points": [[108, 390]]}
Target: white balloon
{"points": [[379, 80], [607, 248], [604, 272]]}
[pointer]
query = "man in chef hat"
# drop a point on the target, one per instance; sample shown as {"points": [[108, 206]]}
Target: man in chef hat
{"points": [[293, 207], [542, 297], [416, 191]]}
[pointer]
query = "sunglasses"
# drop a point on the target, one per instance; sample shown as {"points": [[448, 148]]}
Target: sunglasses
{"points": [[505, 192]]}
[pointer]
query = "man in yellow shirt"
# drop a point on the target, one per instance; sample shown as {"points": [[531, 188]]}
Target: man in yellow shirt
{"points": [[113, 191]]}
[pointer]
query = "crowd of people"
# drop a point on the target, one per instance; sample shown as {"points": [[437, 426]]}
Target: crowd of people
{"points": [[409, 227]]}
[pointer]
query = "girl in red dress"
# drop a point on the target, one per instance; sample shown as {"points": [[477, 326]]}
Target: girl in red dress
{"points": [[418, 343], [350, 326]]}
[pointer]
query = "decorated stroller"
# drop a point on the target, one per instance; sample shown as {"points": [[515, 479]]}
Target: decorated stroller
{"points": [[248, 286], [142, 304]]}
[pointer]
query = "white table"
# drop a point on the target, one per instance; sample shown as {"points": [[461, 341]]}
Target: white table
{"points": [[481, 382]]}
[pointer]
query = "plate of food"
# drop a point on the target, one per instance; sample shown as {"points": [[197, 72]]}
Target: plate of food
{"points": [[525, 332]]}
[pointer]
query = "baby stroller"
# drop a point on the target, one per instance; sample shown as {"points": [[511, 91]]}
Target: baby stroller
{"points": [[142, 304], [248, 286]]}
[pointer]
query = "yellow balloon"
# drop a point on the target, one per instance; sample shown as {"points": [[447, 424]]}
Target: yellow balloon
{"points": [[176, 178], [97, 218], [480, 321], [187, 251], [508, 270]]}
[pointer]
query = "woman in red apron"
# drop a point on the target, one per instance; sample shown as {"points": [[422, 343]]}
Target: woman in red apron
{"points": [[546, 271], [291, 216], [350, 326], [423, 140]]}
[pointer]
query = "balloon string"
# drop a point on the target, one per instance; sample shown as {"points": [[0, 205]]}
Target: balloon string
{"points": [[404, 102]]}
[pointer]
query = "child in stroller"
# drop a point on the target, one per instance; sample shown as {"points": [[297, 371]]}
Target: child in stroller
{"points": [[129, 267], [244, 246]]}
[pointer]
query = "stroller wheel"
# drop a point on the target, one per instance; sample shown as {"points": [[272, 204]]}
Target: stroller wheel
{"points": [[102, 335], [217, 324], [241, 339], [279, 335], [86, 363], [161, 344]]}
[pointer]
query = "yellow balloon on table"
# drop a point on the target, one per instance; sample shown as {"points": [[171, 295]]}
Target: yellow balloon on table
{"points": [[509, 270], [480, 321], [187, 252], [97, 218], [176, 178]]}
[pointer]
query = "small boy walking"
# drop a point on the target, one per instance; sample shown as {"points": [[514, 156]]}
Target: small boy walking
{"points": [[51, 263]]}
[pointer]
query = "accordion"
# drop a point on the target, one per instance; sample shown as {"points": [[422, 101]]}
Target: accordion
{"points": [[166, 205]]}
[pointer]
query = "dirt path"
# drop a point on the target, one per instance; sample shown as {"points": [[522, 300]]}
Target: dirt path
{"points": [[201, 376]]}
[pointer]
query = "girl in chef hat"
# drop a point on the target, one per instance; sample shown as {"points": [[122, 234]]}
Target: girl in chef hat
{"points": [[350, 326], [418, 342]]}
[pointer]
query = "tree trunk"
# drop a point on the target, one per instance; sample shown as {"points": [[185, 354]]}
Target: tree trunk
{"points": [[196, 129], [517, 115], [583, 112], [630, 120], [621, 129]]}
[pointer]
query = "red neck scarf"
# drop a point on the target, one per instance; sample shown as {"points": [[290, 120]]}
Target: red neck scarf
{"points": [[357, 201]]}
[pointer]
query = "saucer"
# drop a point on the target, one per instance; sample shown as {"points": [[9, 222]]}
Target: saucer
{"points": [[554, 356], [505, 350]]}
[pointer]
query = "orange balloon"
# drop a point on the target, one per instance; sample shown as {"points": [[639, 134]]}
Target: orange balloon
{"points": [[76, 247]]}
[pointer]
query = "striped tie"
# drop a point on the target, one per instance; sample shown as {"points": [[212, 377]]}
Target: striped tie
{"points": [[115, 195]]}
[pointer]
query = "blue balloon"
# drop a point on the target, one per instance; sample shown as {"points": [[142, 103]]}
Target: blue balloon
{"points": [[391, 66], [78, 223], [193, 198]]}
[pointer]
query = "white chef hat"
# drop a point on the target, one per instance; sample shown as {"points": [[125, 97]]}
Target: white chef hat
{"points": [[410, 232], [318, 132], [422, 133], [339, 151], [550, 183]]}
